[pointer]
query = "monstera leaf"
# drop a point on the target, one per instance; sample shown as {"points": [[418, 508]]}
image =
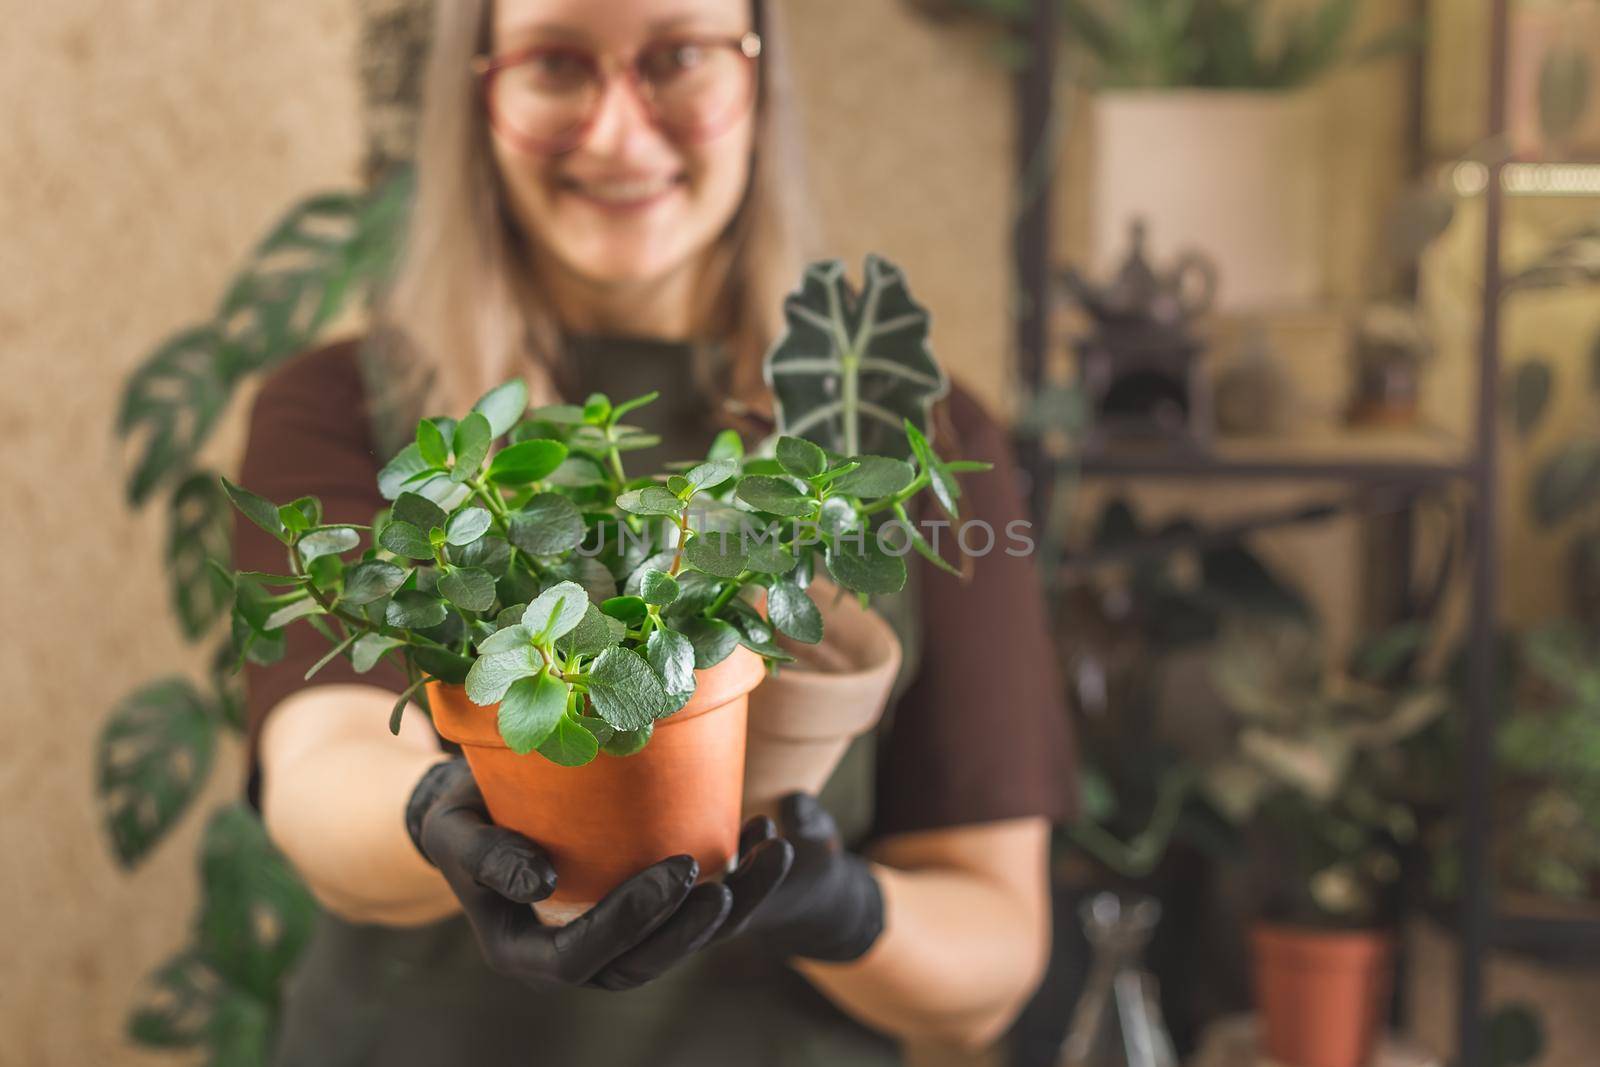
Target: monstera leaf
{"points": [[853, 364]]}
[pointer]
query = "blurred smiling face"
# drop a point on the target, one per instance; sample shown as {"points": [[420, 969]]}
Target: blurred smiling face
{"points": [[618, 180]]}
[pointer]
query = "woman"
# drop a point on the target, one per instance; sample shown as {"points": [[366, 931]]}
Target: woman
{"points": [[601, 207]]}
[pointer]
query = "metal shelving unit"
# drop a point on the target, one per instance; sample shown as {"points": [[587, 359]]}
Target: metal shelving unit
{"points": [[1479, 926]]}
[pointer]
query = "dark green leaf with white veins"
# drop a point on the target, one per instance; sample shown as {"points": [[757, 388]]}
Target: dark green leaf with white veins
{"points": [[491, 675], [793, 613], [866, 568], [468, 588], [530, 710], [625, 690], [717, 553], [256, 915], [153, 758], [200, 529], [556, 611], [672, 656], [548, 525], [851, 365]]}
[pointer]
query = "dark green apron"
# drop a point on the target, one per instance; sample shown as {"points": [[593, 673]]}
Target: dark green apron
{"points": [[422, 997]]}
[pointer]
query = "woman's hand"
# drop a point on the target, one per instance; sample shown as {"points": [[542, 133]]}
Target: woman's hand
{"points": [[639, 931]]}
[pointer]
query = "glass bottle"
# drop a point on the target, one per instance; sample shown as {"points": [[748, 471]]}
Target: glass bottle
{"points": [[1117, 1021]]}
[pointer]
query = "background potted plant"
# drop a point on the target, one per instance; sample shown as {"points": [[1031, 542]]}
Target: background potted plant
{"points": [[1318, 776], [542, 601], [1202, 128]]}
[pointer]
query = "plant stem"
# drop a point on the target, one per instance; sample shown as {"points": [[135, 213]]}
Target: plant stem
{"points": [[728, 593]]}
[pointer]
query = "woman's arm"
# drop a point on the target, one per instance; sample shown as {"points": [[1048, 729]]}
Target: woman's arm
{"points": [[966, 936], [334, 786]]}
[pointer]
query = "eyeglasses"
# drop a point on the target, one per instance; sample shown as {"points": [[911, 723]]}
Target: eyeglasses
{"points": [[546, 97]]}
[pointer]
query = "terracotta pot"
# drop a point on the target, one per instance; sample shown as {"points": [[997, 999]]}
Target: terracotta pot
{"points": [[804, 717], [605, 821], [1321, 995]]}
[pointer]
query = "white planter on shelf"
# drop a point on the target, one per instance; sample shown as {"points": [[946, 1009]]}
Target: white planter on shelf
{"points": [[1235, 175]]}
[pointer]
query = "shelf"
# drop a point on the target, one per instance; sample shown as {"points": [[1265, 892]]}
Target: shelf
{"points": [[1361, 457]]}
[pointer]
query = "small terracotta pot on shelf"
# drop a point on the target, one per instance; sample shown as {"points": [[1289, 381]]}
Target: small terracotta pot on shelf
{"points": [[1321, 995], [607, 820], [804, 717]]}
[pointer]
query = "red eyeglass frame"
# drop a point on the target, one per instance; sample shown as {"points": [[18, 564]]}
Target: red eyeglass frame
{"points": [[605, 66]]}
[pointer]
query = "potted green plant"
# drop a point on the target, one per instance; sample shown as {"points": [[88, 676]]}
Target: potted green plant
{"points": [[1317, 771], [1203, 129], [590, 638]]}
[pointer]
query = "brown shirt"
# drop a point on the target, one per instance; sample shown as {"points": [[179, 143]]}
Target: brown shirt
{"points": [[980, 734]]}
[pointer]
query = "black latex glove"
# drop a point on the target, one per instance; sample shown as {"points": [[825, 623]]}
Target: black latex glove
{"points": [[641, 929], [830, 906]]}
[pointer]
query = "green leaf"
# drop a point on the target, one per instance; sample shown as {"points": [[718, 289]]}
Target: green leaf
{"points": [[502, 407], [651, 500], [419, 511], [864, 567], [634, 404], [490, 676], [414, 610], [715, 552], [153, 758], [877, 476], [199, 545], [473, 436], [596, 409], [773, 495], [397, 712], [839, 516], [175, 399], [548, 525], [624, 690], [329, 656], [527, 461], [944, 485], [851, 366], [404, 539], [658, 588], [406, 464], [296, 609], [569, 745], [444, 665], [672, 657], [624, 743], [577, 472], [713, 640], [768, 557], [556, 611], [294, 520], [712, 473], [505, 639], [630, 609], [369, 649], [431, 444], [726, 445], [177, 1010], [327, 541], [256, 916], [1566, 482], [530, 710], [800, 457], [257, 509], [592, 636], [1531, 386], [468, 588], [370, 580], [467, 525], [793, 613]]}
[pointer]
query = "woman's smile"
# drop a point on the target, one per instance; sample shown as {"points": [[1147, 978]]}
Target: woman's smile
{"points": [[623, 194]]}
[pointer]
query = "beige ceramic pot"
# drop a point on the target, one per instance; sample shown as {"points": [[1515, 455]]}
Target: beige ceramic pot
{"points": [[803, 718]]}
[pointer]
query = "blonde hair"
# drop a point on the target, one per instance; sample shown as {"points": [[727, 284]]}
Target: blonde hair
{"points": [[465, 310]]}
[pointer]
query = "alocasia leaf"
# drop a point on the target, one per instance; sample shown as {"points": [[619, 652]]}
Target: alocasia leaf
{"points": [[852, 365]]}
